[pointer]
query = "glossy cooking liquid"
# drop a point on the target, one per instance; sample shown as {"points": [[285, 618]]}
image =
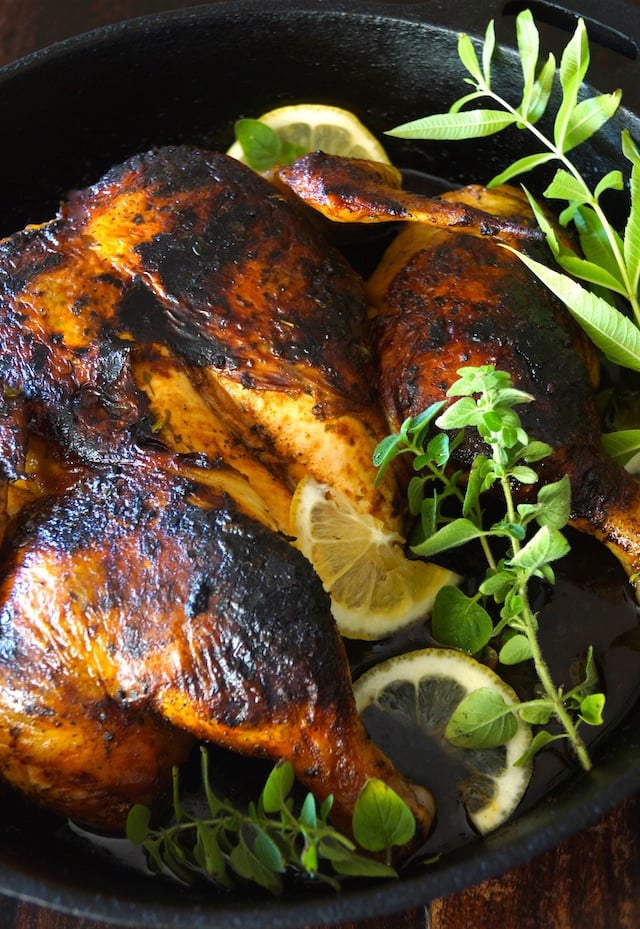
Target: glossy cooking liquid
{"points": [[590, 604]]}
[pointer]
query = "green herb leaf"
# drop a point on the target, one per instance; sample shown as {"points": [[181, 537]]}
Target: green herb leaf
{"points": [[515, 650], [277, 788], [613, 333], [137, 827], [460, 621], [591, 709], [539, 741], [481, 720], [470, 124], [589, 116], [381, 818], [547, 545], [453, 535], [555, 504]]}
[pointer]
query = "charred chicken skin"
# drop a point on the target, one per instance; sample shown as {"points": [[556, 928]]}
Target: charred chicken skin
{"points": [[142, 611], [177, 348], [442, 300]]}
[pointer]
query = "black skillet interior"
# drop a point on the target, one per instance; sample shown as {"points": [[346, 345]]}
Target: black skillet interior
{"points": [[72, 111]]}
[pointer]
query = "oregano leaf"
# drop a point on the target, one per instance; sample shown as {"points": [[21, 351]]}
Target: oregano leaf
{"points": [[381, 818], [481, 720]]}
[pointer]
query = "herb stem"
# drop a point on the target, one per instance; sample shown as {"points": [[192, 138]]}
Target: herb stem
{"points": [[551, 691], [529, 627], [630, 293]]}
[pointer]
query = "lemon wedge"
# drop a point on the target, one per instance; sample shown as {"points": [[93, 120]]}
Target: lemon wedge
{"points": [[420, 691], [374, 588], [320, 127]]}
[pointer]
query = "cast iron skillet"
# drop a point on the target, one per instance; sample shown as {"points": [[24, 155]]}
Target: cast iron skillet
{"points": [[71, 111]]}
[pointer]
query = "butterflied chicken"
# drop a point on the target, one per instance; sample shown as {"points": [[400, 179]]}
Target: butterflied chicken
{"points": [[177, 348]]}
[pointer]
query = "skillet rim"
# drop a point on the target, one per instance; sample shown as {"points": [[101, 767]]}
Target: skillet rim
{"points": [[498, 856]]}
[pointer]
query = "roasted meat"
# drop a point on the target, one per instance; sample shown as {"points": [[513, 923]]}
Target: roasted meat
{"points": [[141, 611], [177, 348], [183, 293], [442, 300]]}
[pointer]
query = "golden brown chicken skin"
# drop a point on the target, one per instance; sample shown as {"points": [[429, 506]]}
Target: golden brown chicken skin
{"points": [[176, 348], [182, 293], [141, 611], [442, 301]]}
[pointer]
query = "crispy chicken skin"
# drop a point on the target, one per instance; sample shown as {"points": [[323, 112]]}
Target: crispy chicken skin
{"points": [[177, 348], [183, 292], [141, 611], [443, 300]]}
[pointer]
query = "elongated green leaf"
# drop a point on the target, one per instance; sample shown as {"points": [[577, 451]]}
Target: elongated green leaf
{"points": [[590, 272], [596, 241], [541, 92], [565, 186], [573, 67], [528, 41], [457, 105], [470, 124], [589, 116], [632, 229], [521, 166], [613, 180], [469, 58], [488, 49], [612, 332]]}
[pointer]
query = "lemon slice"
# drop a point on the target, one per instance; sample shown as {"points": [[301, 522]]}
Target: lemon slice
{"points": [[374, 588], [319, 127], [420, 690]]}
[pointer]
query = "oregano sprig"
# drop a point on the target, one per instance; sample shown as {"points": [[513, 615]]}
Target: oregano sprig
{"points": [[610, 261], [529, 537], [271, 837]]}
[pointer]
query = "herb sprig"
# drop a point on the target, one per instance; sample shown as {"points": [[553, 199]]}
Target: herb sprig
{"points": [[609, 262], [271, 837], [530, 533], [262, 146]]}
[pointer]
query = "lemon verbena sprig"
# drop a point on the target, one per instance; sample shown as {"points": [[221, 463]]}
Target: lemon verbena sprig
{"points": [[531, 533], [609, 263], [228, 844]]}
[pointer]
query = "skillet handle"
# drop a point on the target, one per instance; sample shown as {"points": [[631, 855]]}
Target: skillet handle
{"points": [[613, 27]]}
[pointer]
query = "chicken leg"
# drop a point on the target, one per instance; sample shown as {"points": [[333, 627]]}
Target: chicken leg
{"points": [[141, 611], [442, 300]]}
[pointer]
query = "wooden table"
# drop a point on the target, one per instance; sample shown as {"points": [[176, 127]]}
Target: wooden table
{"points": [[592, 881]]}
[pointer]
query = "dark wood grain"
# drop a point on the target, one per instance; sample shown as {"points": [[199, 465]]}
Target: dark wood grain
{"points": [[591, 881]]}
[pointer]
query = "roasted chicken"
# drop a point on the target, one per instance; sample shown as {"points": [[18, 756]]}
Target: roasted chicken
{"points": [[177, 348], [183, 294], [140, 611], [442, 300], [446, 294]]}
